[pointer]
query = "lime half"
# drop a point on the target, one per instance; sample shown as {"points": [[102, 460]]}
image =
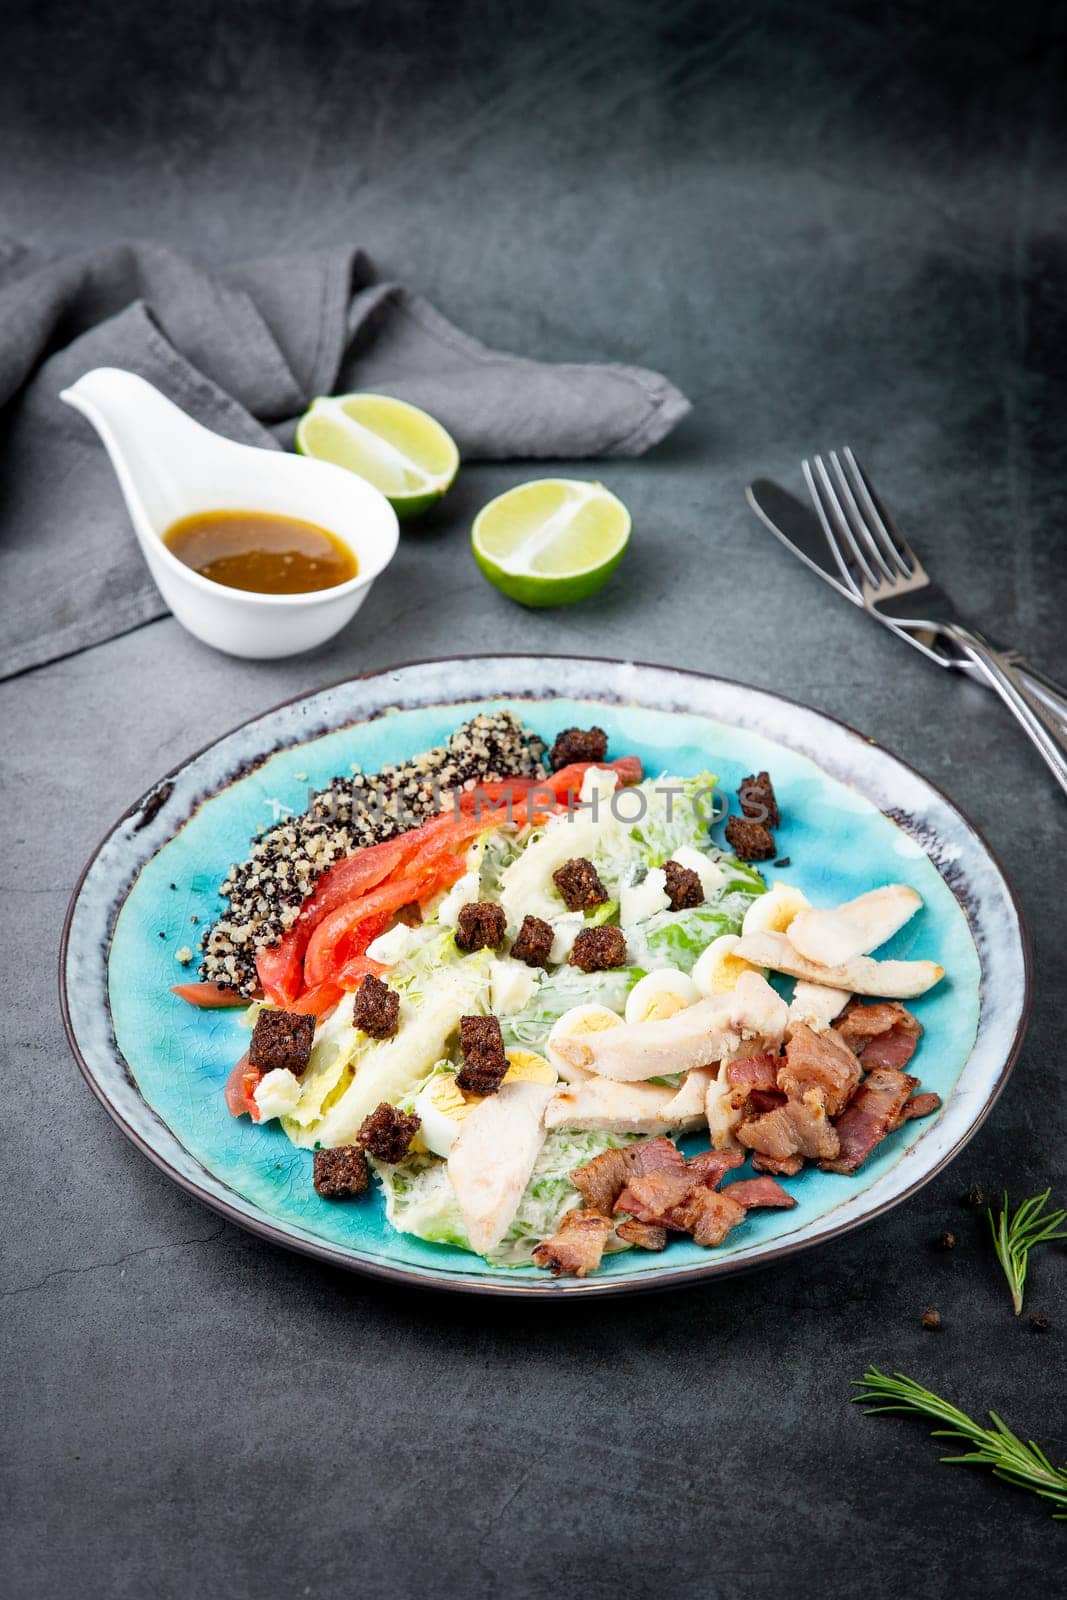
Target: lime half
{"points": [[398, 448], [551, 542]]}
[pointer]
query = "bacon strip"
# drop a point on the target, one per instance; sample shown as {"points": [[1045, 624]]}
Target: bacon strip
{"points": [[711, 1166], [754, 1072], [708, 1214], [645, 1235], [892, 1049], [602, 1180], [920, 1105], [653, 1197], [874, 1111], [819, 1061], [578, 1245], [749, 1192]]}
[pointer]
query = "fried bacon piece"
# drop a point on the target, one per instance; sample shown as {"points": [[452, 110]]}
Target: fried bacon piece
{"points": [[602, 1180], [764, 1100], [874, 1111], [750, 1192], [785, 1167], [799, 1128], [821, 1062], [882, 1035], [653, 1198], [708, 1215], [711, 1166], [920, 1105], [657, 1196], [645, 1235], [576, 1248], [754, 1072]]}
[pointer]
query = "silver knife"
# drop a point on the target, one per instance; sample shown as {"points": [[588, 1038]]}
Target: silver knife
{"points": [[799, 529]]}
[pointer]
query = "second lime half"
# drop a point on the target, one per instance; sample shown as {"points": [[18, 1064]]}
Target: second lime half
{"points": [[552, 541]]}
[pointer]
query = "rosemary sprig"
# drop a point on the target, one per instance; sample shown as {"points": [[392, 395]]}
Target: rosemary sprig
{"points": [[1014, 1238], [1022, 1464]]}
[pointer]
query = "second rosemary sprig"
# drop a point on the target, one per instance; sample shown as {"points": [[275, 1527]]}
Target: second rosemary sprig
{"points": [[1015, 1236], [1017, 1461]]}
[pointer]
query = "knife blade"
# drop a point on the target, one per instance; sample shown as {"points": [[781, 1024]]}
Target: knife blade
{"points": [[796, 526]]}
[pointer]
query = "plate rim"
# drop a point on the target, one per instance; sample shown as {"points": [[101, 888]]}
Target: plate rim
{"points": [[458, 1283]]}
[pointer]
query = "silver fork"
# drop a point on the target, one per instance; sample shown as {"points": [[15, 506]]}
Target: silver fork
{"points": [[877, 562]]}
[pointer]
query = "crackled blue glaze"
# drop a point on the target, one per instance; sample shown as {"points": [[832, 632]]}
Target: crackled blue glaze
{"points": [[833, 787]]}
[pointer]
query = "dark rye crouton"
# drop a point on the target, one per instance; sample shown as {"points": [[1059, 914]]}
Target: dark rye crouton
{"points": [[534, 942], [578, 744], [481, 926], [758, 802], [579, 883], [750, 841], [281, 1039], [341, 1174], [376, 1009], [684, 888], [597, 949], [484, 1062], [387, 1133]]}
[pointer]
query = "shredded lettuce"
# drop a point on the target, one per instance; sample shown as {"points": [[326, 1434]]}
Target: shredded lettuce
{"points": [[677, 938], [679, 812], [387, 1069], [566, 987], [419, 1198]]}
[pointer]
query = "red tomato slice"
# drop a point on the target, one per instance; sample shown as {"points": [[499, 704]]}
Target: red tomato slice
{"points": [[209, 995], [281, 967], [322, 959], [568, 780], [240, 1089]]}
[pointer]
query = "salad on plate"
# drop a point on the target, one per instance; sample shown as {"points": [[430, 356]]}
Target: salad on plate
{"points": [[502, 981]]}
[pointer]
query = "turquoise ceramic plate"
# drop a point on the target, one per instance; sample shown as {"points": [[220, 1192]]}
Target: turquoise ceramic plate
{"points": [[853, 816]]}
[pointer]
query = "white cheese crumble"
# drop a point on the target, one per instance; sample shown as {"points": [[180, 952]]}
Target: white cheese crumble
{"points": [[639, 901], [277, 1094], [512, 985]]}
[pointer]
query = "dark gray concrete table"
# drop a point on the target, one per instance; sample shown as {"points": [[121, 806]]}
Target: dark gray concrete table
{"points": [[832, 229]]}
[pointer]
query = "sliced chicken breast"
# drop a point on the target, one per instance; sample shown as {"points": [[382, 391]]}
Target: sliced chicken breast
{"points": [[699, 1036], [605, 1105], [816, 1005], [897, 980], [493, 1156], [833, 936]]}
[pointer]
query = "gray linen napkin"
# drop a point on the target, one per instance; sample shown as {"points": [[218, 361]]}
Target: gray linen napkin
{"points": [[243, 350]]}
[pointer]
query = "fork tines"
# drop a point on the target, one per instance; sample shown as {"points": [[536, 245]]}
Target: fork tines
{"points": [[868, 547]]}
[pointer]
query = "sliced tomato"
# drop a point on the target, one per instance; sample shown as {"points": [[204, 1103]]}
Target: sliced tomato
{"points": [[324, 955], [209, 995], [240, 1089], [568, 780], [280, 970], [281, 967], [355, 943]]}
